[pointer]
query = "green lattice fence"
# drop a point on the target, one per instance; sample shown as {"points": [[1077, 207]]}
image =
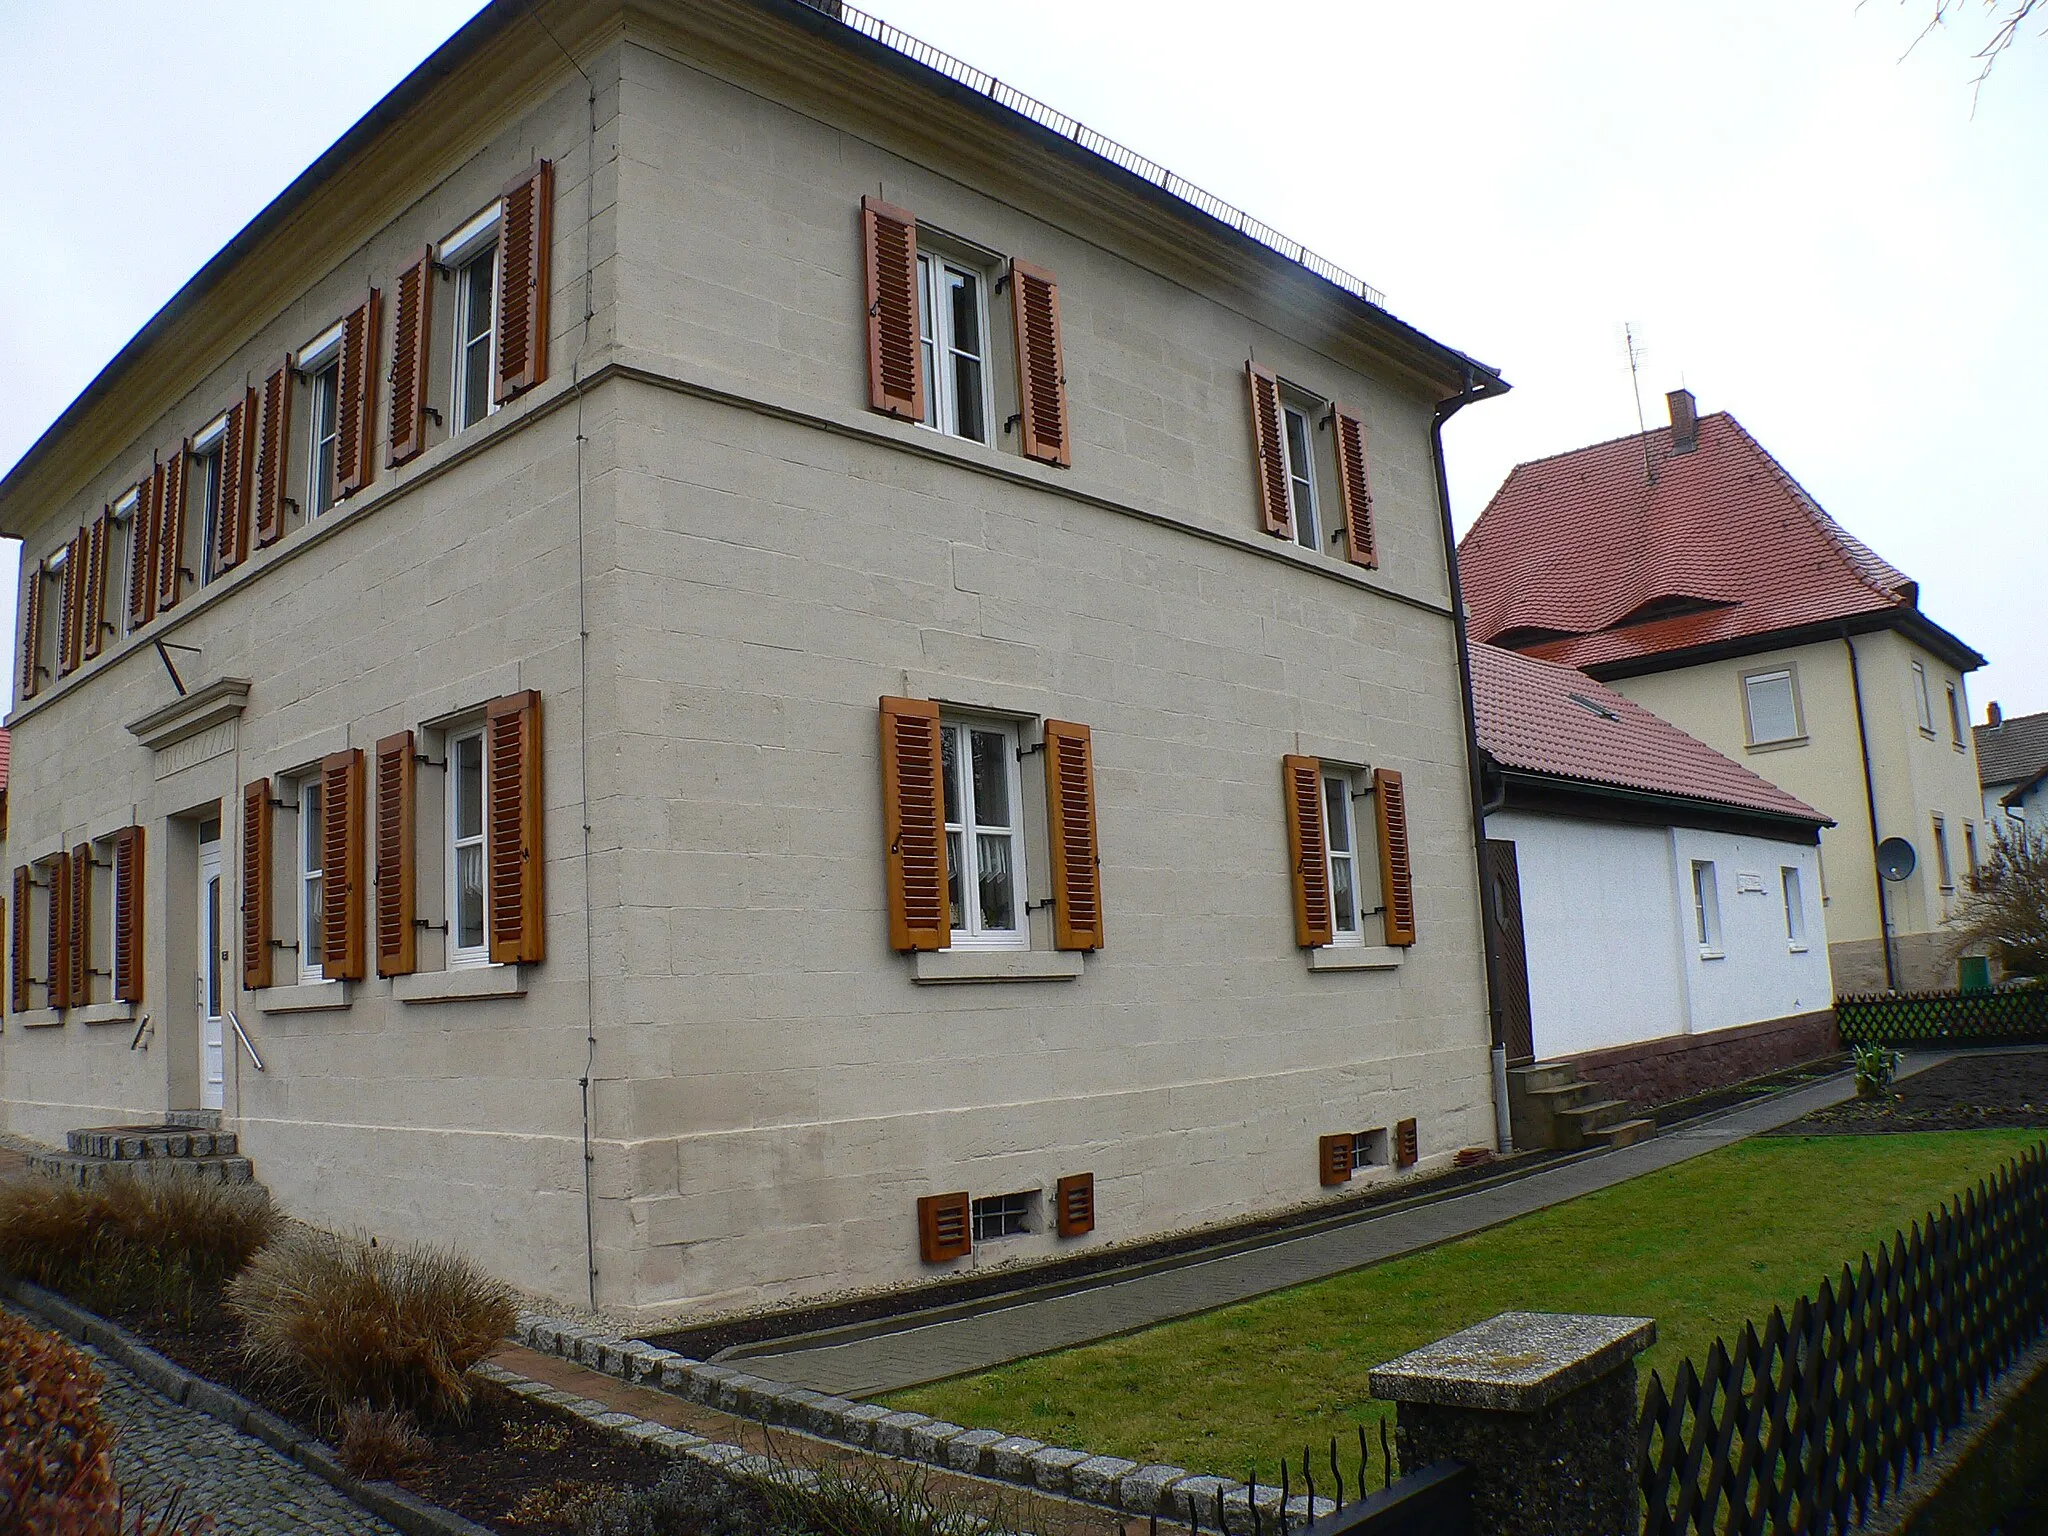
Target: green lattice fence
{"points": [[1945, 1018]]}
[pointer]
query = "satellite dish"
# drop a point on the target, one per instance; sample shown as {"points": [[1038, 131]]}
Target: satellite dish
{"points": [[1895, 858]]}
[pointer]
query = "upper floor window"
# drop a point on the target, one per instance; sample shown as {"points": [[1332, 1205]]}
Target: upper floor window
{"points": [[1955, 718], [323, 412], [1303, 501], [1941, 865], [1706, 909], [127, 518], [206, 481], [984, 834], [1771, 703], [1970, 854], [952, 317], [1921, 701], [476, 312]]}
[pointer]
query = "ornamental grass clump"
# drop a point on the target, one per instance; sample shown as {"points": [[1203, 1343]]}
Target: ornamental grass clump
{"points": [[342, 1322]]}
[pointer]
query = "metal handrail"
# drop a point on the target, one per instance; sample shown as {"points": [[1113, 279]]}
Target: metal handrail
{"points": [[258, 1060], [1101, 144]]}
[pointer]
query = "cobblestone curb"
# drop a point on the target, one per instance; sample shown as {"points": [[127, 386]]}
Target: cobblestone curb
{"points": [[410, 1513], [1108, 1482]]}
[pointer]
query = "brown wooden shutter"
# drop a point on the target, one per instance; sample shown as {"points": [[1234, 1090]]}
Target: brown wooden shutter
{"points": [[95, 622], [71, 606], [170, 530], [17, 942], [945, 1227], [237, 466], [142, 550], [513, 850], [411, 328], [1074, 1204], [32, 632], [1070, 821], [80, 983], [1308, 850], [914, 826], [273, 447], [256, 897], [1407, 1145], [397, 816], [1041, 364], [1269, 446], [355, 398], [896, 381], [1397, 880], [127, 905], [526, 230], [1354, 487], [1333, 1159], [58, 873], [341, 865]]}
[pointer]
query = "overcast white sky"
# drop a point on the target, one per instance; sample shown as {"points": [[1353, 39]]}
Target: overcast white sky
{"points": [[1805, 229]]}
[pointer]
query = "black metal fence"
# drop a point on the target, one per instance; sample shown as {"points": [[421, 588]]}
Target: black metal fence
{"points": [[1804, 1427], [2016, 1016], [1332, 1495]]}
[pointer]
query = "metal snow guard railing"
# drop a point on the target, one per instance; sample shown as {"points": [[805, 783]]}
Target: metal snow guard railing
{"points": [[1109, 149]]}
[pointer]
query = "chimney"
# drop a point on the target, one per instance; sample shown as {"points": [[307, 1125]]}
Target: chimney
{"points": [[1685, 421], [1993, 715]]}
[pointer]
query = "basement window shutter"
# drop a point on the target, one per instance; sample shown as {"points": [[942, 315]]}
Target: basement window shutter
{"points": [[237, 459], [79, 983], [95, 621], [59, 950], [273, 443], [341, 865], [1333, 1160], [1070, 823], [397, 815], [127, 905], [170, 530], [513, 852], [32, 633], [17, 942], [895, 358], [945, 1228], [256, 866], [70, 605], [914, 826], [411, 326], [1407, 1145], [355, 410], [1041, 365], [1270, 449], [1397, 880], [142, 550], [1074, 1202], [1354, 487], [1308, 850], [525, 233]]}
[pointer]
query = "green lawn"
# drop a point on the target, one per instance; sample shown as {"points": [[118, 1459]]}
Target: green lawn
{"points": [[1700, 1247]]}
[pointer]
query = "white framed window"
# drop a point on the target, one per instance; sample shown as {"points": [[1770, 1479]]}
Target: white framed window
{"points": [[1795, 908], [1298, 435], [468, 920], [125, 511], [984, 834], [1921, 700], [323, 415], [312, 890], [1948, 879], [206, 462], [1340, 831], [1004, 1215], [952, 321], [1955, 718], [1770, 701], [476, 336], [1706, 909]]}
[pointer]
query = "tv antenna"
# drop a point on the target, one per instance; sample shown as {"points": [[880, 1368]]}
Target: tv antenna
{"points": [[1635, 356]]}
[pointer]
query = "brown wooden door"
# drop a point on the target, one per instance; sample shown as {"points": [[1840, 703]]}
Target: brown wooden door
{"points": [[1504, 888]]}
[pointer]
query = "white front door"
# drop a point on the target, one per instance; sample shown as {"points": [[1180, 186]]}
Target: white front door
{"points": [[213, 961]]}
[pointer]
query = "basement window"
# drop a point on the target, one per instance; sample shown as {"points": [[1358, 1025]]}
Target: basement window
{"points": [[1369, 1149], [1004, 1215]]}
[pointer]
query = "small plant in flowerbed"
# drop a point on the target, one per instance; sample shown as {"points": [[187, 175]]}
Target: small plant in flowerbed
{"points": [[1876, 1066]]}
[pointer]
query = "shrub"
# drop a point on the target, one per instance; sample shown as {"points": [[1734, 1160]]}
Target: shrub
{"points": [[56, 1452], [341, 1321], [379, 1442], [1876, 1065], [152, 1238], [2006, 908]]}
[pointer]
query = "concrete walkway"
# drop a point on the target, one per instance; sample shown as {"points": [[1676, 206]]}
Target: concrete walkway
{"points": [[887, 1362]]}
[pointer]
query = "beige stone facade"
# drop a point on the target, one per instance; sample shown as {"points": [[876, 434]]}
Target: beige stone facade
{"points": [[710, 560]]}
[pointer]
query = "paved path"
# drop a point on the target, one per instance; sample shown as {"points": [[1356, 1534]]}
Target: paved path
{"points": [[868, 1367]]}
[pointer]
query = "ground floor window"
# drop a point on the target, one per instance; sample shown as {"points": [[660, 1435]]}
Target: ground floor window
{"points": [[467, 881], [984, 834], [1706, 908], [312, 889]]}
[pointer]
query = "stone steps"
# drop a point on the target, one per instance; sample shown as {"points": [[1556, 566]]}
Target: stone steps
{"points": [[146, 1143], [1549, 1105], [83, 1169], [186, 1142]]}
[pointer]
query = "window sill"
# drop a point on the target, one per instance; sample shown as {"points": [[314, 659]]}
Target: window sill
{"points": [[1795, 949], [308, 997], [105, 1013], [1354, 957], [934, 967], [1713, 954], [37, 1018], [1777, 746], [1928, 732], [471, 981]]}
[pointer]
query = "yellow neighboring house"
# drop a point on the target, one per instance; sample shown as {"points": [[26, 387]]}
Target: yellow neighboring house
{"points": [[1685, 568]]}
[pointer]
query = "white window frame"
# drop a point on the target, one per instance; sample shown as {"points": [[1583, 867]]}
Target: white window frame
{"points": [[320, 451], [937, 344], [478, 263], [966, 868], [123, 517], [1749, 682], [1344, 785], [1923, 700], [1793, 890], [1706, 909], [207, 458], [1944, 871], [1307, 519], [310, 911], [461, 957]]}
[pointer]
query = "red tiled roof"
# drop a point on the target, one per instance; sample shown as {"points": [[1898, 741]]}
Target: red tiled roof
{"points": [[1529, 720], [1725, 544]]}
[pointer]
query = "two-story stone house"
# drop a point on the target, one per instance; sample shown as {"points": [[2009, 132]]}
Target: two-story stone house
{"points": [[747, 671]]}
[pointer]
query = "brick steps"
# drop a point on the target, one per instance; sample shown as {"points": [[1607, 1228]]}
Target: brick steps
{"points": [[188, 1142]]}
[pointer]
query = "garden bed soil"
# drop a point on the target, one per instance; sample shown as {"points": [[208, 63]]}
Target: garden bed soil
{"points": [[1990, 1090], [514, 1466], [1712, 1102]]}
